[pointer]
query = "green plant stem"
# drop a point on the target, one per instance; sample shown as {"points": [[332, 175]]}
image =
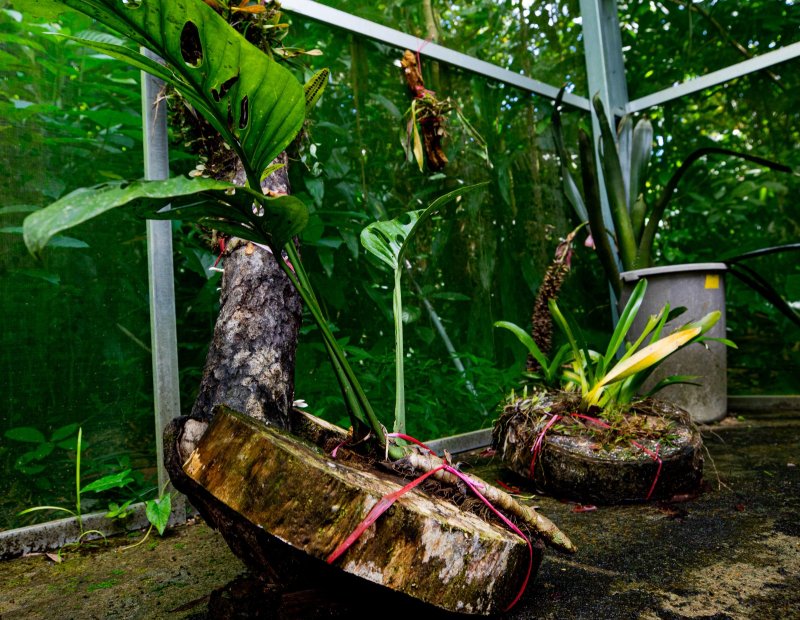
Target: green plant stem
{"points": [[399, 355], [78, 481], [361, 409], [139, 542], [592, 191]]}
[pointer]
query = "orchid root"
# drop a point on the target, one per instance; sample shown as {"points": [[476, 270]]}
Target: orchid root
{"points": [[537, 523]]}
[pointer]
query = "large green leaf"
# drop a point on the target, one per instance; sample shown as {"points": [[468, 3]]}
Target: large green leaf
{"points": [[272, 220], [389, 240], [257, 105]]}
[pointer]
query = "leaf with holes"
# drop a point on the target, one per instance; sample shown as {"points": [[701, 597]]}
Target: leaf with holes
{"points": [[256, 105]]}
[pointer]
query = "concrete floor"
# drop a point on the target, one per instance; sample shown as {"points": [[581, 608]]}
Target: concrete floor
{"points": [[732, 552]]}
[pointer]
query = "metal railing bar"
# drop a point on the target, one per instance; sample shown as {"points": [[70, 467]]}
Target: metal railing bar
{"points": [[727, 74], [358, 25]]}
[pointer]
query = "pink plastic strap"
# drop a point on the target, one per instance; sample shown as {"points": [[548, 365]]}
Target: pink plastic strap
{"points": [[387, 500], [636, 444], [538, 444], [377, 510]]}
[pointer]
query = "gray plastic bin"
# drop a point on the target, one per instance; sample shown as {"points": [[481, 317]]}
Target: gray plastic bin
{"points": [[700, 287]]}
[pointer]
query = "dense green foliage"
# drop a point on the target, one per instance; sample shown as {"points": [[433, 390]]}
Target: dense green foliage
{"points": [[75, 327], [724, 208]]}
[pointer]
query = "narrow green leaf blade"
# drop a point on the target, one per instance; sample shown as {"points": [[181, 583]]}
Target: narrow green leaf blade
{"points": [[526, 341], [615, 189]]}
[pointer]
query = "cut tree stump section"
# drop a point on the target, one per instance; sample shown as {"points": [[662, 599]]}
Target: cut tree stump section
{"points": [[307, 502]]}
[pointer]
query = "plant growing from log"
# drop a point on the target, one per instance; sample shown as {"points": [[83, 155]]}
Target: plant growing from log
{"points": [[258, 108], [256, 105], [389, 242]]}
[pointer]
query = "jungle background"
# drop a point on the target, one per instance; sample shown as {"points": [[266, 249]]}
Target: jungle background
{"points": [[74, 346]]}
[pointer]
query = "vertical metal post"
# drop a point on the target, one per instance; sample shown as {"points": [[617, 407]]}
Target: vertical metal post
{"points": [[163, 338], [605, 70], [602, 43]]}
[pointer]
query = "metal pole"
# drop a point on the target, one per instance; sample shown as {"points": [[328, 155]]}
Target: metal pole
{"points": [[764, 61], [163, 332]]}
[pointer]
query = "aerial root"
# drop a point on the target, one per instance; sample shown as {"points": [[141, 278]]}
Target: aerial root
{"points": [[541, 525]]}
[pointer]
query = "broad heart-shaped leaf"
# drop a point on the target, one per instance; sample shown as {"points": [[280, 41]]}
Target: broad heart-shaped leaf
{"points": [[158, 511], [388, 241], [256, 104], [272, 221]]}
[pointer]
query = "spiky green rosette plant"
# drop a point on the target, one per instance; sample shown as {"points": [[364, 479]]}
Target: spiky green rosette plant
{"points": [[615, 378], [589, 430], [625, 162]]}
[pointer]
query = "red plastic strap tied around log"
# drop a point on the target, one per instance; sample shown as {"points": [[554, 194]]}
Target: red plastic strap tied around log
{"points": [[601, 424], [387, 500], [537, 445], [377, 510]]}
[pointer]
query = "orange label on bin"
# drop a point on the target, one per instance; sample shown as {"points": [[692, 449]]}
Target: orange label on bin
{"points": [[712, 281]]}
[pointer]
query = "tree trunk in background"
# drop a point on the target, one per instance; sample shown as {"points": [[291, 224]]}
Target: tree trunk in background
{"points": [[251, 360]]}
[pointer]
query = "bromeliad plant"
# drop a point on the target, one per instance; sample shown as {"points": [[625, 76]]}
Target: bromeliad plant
{"points": [[614, 379], [625, 162]]}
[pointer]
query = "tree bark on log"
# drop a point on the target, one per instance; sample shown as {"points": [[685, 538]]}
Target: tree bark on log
{"points": [[298, 504], [251, 361]]}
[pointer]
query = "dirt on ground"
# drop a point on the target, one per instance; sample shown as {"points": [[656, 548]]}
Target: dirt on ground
{"points": [[730, 552]]}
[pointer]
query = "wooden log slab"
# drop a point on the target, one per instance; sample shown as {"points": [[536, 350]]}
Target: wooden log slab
{"points": [[422, 546]]}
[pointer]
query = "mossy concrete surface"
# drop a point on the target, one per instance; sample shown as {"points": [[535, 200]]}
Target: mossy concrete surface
{"points": [[169, 577], [732, 552]]}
